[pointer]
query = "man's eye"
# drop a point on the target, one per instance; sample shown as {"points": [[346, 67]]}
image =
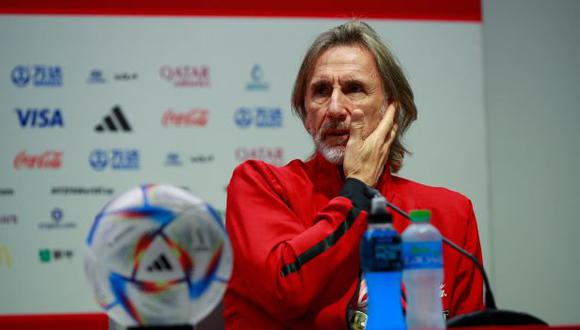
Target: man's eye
{"points": [[321, 90], [354, 88]]}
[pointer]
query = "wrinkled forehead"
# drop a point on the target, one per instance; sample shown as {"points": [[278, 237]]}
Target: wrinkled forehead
{"points": [[354, 50], [344, 63]]}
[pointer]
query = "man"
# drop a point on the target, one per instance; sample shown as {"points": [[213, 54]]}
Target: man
{"points": [[296, 229]]}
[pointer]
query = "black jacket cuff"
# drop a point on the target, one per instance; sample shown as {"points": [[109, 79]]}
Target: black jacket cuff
{"points": [[357, 192]]}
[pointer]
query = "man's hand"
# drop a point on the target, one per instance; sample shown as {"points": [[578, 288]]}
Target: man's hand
{"points": [[366, 157]]}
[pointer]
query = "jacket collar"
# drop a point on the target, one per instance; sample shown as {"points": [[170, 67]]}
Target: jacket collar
{"points": [[329, 178]]}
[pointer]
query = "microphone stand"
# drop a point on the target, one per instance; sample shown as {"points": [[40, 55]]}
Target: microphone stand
{"points": [[490, 315]]}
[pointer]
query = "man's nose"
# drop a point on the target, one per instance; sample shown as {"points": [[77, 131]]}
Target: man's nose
{"points": [[337, 107]]}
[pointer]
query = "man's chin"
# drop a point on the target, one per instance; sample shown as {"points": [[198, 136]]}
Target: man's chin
{"points": [[334, 154]]}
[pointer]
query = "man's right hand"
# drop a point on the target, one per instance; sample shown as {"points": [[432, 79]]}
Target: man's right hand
{"points": [[366, 156]]}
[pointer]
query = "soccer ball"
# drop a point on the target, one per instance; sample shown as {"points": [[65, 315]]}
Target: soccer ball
{"points": [[157, 255]]}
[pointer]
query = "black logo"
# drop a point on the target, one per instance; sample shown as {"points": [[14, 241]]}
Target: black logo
{"points": [[80, 190], [160, 264], [114, 122], [6, 191]]}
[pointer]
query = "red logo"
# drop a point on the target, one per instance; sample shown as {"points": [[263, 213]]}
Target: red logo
{"points": [[191, 118], [274, 155], [186, 75], [47, 160]]}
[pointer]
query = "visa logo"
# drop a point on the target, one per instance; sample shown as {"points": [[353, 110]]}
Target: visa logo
{"points": [[39, 118]]}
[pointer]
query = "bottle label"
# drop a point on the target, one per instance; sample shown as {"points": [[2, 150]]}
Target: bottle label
{"points": [[423, 255], [381, 251]]}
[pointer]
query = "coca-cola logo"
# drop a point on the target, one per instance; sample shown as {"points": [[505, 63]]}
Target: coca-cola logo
{"points": [[186, 75], [274, 155], [191, 118], [47, 160]]}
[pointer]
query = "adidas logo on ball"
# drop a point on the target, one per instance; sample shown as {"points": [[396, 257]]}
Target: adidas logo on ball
{"points": [[160, 264]]}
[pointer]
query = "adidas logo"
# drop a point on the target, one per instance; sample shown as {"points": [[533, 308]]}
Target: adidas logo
{"points": [[114, 122], [160, 264]]}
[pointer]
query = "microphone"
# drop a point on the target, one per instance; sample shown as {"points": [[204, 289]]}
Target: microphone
{"points": [[491, 315]]}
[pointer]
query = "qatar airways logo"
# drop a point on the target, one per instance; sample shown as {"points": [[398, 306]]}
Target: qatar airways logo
{"points": [[273, 155], [48, 160], [191, 118], [186, 75]]}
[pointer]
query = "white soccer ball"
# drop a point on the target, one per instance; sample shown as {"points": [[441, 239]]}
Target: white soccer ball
{"points": [[157, 255]]}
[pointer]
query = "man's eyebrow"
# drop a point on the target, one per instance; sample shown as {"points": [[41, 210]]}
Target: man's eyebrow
{"points": [[317, 81], [353, 80]]}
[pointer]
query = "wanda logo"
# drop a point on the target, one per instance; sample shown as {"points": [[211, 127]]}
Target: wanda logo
{"points": [[47, 160], [191, 118]]}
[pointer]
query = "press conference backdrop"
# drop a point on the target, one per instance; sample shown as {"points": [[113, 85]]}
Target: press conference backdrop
{"points": [[91, 106]]}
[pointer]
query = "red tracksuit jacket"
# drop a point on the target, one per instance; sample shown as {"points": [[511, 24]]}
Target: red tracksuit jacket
{"points": [[295, 233]]}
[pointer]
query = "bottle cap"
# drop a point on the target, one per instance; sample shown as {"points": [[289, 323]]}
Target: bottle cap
{"points": [[379, 212], [420, 215]]}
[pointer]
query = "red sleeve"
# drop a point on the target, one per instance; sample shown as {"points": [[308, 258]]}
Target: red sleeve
{"points": [[469, 282], [278, 263]]}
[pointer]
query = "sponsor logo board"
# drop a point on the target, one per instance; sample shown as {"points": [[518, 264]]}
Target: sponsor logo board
{"points": [[274, 155], [261, 117], [114, 122], [57, 217], [50, 159], [36, 75], [174, 159], [202, 158], [96, 76], [186, 75], [126, 76], [79, 190], [6, 192], [114, 159], [257, 82], [191, 118], [5, 257], [39, 117], [8, 219], [46, 255]]}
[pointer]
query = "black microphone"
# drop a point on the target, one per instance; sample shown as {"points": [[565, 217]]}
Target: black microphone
{"points": [[490, 315]]}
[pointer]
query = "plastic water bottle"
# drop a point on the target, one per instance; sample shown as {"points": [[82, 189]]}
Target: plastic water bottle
{"points": [[423, 273], [382, 264]]}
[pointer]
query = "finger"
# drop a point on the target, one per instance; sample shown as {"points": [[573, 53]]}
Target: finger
{"points": [[357, 125], [392, 134], [386, 146], [386, 122]]}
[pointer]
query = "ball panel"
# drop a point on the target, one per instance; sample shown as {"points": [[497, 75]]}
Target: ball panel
{"points": [[171, 197], [116, 242], [168, 306], [129, 199]]}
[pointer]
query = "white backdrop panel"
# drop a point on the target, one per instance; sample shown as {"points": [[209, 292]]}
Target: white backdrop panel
{"points": [[443, 62]]}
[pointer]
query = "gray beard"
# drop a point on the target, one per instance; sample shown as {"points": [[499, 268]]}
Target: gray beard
{"points": [[334, 154]]}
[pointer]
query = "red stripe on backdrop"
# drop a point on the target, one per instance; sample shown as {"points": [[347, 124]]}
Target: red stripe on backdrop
{"points": [[438, 10], [94, 321]]}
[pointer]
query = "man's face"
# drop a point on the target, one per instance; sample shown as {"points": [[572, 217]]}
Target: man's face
{"points": [[344, 78]]}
